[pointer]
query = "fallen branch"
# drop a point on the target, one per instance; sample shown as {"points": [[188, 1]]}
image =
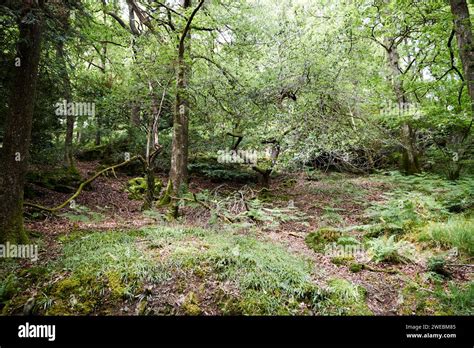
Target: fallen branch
{"points": [[81, 187]]}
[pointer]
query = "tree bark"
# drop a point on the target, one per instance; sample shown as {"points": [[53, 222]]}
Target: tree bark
{"points": [[463, 29], [18, 124], [64, 15], [179, 154], [410, 161], [68, 143]]}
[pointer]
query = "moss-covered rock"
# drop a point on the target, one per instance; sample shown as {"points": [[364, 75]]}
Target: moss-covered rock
{"points": [[319, 239]]}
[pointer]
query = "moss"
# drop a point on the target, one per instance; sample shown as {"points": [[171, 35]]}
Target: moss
{"points": [[13, 230], [317, 240], [191, 305], [115, 284], [64, 179], [63, 287], [418, 302], [437, 264], [341, 260], [356, 267], [34, 274], [76, 295], [137, 187], [166, 198]]}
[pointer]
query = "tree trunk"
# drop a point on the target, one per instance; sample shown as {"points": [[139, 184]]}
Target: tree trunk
{"points": [[68, 143], [179, 152], [463, 29], [410, 162], [18, 124]]}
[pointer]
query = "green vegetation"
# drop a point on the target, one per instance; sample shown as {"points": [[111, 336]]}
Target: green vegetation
{"points": [[386, 249], [319, 239], [247, 157], [455, 232]]}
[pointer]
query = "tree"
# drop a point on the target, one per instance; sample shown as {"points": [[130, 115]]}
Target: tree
{"points": [[63, 15], [463, 28], [18, 123], [179, 152]]}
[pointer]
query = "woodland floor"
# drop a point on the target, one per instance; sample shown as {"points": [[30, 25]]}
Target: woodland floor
{"points": [[331, 200]]}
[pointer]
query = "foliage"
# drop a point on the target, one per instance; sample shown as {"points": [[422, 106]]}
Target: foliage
{"points": [[386, 249]]}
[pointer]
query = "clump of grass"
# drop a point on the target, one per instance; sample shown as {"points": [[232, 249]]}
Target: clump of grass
{"points": [[8, 288], [456, 232], [456, 299], [347, 298], [102, 253], [386, 249], [270, 280]]}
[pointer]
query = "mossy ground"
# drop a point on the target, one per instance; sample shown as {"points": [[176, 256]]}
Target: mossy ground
{"points": [[102, 272], [264, 268]]}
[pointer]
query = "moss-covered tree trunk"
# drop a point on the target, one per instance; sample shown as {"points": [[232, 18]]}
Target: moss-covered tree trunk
{"points": [[18, 123], [410, 163]]}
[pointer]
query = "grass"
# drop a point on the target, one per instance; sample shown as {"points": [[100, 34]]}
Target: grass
{"points": [[453, 299], [347, 298], [270, 280], [456, 232], [99, 272]]}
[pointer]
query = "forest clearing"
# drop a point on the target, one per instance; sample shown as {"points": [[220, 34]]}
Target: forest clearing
{"points": [[249, 157]]}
